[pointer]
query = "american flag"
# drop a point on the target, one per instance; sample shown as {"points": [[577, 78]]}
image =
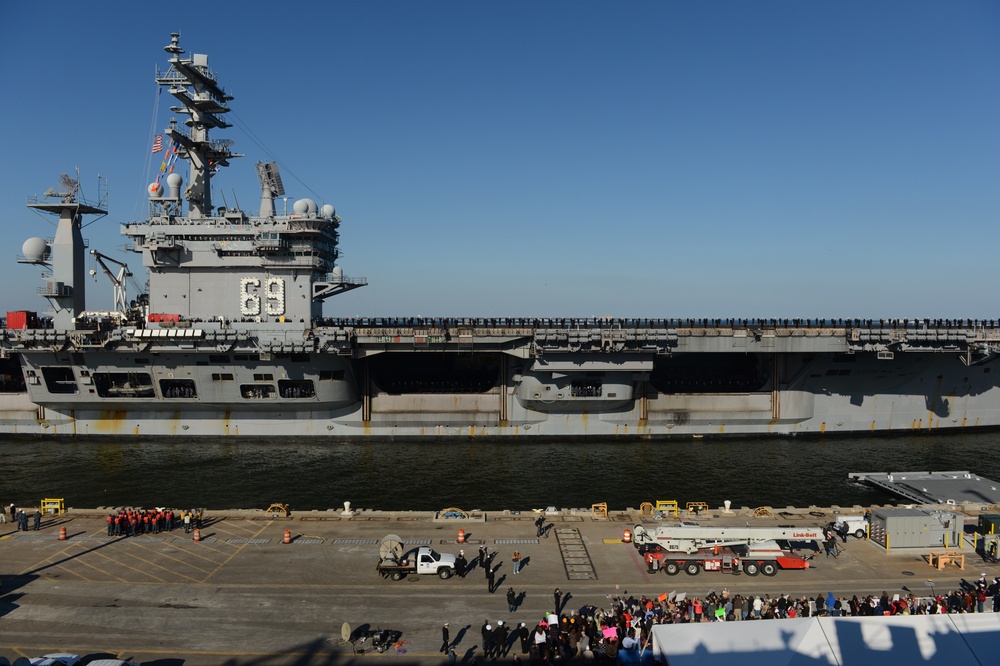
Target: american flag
{"points": [[158, 143]]}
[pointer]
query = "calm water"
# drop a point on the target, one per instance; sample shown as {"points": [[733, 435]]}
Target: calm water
{"points": [[222, 474]]}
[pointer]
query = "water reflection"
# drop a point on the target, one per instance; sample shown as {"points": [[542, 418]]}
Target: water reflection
{"points": [[310, 474]]}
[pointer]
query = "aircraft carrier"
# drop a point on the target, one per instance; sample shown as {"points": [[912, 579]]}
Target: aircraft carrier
{"points": [[230, 339]]}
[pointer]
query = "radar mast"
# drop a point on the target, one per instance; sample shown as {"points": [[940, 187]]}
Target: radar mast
{"points": [[205, 103]]}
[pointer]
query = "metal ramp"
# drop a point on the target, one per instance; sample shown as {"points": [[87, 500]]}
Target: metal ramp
{"points": [[576, 559]]}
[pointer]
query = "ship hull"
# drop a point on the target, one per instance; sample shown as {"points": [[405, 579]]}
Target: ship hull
{"points": [[798, 394]]}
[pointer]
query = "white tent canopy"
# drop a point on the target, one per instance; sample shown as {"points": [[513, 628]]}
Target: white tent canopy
{"points": [[840, 641]]}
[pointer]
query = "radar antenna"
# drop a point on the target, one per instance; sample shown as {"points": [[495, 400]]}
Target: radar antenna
{"points": [[270, 187], [68, 187]]}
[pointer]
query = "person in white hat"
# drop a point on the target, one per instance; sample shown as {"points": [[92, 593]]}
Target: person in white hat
{"points": [[445, 640], [488, 641]]}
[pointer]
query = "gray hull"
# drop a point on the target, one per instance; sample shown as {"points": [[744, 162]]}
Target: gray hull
{"points": [[814, 394]]}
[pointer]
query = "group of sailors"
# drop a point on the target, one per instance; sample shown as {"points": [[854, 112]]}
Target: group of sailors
{"points": [[133, 522], [19, 517], [645, 322], [398, 385], [586, 389], [300, 389]]}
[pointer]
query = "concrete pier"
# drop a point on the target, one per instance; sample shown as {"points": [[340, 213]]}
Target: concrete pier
{"points": [[242, 596]]}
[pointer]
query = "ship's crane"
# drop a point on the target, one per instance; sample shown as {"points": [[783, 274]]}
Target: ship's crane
{"points": [[117, 279]]}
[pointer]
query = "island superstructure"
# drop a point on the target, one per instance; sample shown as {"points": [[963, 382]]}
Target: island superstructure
{"points": [[230, 339]]}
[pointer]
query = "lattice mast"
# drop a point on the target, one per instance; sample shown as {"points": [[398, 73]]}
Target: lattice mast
{"points": [[194, 85]]}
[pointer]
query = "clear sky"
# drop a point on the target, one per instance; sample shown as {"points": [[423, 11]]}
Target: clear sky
{"points": [[562, 158]]}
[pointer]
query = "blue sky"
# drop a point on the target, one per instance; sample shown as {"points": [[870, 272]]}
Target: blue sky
{"points": [[649, 159]]}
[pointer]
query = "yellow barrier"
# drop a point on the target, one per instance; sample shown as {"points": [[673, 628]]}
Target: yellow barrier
{"points": [[599, 510], [53, 505], [946, 557], [277, 508], [646, 509], [697, 507], [668, 506]]}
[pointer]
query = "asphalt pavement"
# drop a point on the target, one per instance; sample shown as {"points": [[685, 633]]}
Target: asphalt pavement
{"points": [[241, 596]]}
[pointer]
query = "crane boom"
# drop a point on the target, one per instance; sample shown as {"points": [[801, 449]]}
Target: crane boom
{"points": [[117, 279], [690, 538]]}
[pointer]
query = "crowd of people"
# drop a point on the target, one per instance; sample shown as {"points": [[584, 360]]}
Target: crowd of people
{"points": [[133, 522], [627, 622]]}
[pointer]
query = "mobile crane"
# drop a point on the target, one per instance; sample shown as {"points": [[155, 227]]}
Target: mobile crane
{"points": [[752, 550]]}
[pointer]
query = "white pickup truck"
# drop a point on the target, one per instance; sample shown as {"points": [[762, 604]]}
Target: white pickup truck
{"points": [[856, 525], [396, 564]]}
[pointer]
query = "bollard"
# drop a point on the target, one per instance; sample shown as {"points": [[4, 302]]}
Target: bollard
{"points": [[461, 536], [288, 537], [197, 535], [628, 537], [62, 533]]}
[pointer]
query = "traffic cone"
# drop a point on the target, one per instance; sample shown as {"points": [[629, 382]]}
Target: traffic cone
{"points": [[197, 535], [288, 536]]}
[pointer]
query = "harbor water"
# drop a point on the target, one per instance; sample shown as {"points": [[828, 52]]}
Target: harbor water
{"points": [[473, 474]]}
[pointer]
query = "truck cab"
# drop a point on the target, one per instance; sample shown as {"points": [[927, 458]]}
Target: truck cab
{"points": [[430, 561]]}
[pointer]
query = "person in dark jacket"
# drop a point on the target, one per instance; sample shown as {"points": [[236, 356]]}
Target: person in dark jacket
{"points": [[445, 639], [523, 634], [500, 635]]}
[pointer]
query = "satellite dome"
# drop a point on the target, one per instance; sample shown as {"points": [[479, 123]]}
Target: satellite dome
{"points": [[305, 207], [174, 180], [329, 211], [34, 249], [155, 189], [337, 272]]}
